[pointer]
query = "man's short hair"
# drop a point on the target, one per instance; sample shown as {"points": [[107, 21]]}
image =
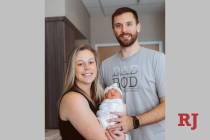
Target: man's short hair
{"points": [[123, 10]]}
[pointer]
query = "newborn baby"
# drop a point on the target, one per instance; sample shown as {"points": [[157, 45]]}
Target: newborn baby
{"points": [[112, 103]]}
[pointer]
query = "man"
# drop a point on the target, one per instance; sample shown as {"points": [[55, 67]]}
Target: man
{"points": [[139, 73]]}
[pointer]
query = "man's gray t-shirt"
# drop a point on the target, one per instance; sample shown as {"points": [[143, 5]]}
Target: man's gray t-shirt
{"points": [[141, 77]]}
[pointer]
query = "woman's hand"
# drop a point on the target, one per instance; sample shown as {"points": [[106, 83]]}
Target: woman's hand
{"points": [[115, 134]]}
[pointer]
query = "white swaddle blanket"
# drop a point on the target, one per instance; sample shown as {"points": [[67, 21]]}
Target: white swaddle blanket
{"points": [[105, 109], [108, 106]]}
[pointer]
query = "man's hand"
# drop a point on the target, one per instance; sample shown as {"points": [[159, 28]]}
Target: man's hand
{"points": [[123, 122]]}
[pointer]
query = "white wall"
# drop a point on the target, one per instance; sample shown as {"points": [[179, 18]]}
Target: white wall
{"points": [[78, 15], [101, 30], [54, 8], [153, 29], [74, 10]]}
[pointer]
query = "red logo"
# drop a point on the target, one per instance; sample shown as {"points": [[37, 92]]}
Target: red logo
{"points": [[184, 120]]}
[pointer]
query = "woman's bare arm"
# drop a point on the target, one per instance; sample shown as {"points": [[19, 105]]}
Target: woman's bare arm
{"points": [[75, 108]]}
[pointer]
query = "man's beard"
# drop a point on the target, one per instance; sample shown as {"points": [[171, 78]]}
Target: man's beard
{"points": [[127, 43]]}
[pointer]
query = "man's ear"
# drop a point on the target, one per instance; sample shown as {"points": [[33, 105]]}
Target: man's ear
{"points": [[138, 27]]}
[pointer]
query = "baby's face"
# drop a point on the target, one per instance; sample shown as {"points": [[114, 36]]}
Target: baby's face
{"points": [[113, 94]]}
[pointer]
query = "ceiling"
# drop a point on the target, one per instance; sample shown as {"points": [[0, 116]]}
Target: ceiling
{"points": [[107, 7]]}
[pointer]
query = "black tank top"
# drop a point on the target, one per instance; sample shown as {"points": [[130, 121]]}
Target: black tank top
{"points": [[67, 130]]}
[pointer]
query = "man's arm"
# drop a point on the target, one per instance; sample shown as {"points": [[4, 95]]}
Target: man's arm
{"points": [[155, 115]]}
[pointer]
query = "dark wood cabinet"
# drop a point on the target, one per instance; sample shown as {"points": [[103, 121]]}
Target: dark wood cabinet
{"points": [[60, 37]]}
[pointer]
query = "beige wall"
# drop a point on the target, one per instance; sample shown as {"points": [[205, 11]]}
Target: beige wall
{"points": [[153, 29], [74, 10]]}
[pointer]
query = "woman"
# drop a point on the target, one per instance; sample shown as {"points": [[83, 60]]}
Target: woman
{"points": [[82, 95]]}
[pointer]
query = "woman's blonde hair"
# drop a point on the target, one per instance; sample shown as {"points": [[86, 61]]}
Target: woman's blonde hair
{"points": [[70, 77]]}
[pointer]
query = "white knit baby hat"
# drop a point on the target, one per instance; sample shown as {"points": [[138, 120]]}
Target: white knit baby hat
{"points": [[113, 86]]}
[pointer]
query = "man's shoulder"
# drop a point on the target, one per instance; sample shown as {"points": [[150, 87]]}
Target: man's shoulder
{"points": [[152, 53]]}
